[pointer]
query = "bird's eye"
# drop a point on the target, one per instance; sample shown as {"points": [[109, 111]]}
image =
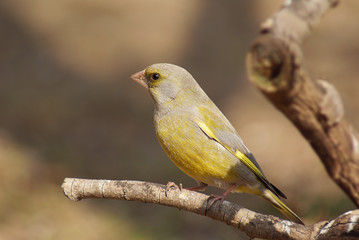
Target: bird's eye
{"points": [[155, 76]]}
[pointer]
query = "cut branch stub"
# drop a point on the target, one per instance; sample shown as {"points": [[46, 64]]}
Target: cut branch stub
{"points": [[270, 64], [314, 107]]}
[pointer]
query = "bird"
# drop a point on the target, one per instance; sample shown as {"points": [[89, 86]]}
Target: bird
{"points": [[200, 140]]}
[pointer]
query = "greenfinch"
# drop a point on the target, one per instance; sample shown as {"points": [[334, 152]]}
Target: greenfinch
{"points": [[200, 140]]}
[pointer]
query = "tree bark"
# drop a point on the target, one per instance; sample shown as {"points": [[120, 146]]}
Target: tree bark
{"points": [[255, 225], [274, 66]]}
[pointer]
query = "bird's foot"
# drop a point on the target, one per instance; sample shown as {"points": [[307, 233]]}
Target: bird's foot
{"points": [[214, 198], [171, 186]]}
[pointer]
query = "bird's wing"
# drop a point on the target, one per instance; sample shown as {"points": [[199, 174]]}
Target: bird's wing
{"points": [[217, 128]]}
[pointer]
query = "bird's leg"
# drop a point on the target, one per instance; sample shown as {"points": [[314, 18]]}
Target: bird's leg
{"points": [[201, 187], [213, 198]]}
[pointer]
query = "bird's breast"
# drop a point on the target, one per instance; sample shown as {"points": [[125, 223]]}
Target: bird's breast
{"points": [[194, 153]]}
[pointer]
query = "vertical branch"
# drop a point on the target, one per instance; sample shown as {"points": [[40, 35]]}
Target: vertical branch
{"points": [[314, 106]]}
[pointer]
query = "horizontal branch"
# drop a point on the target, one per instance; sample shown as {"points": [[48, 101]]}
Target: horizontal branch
{"points": [[255, 225]]}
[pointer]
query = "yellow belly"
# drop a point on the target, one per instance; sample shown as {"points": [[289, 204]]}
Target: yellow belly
{"points": [[198, 156]]}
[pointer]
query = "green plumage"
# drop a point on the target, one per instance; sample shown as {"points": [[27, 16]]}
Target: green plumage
{"points": [[199, 139]]}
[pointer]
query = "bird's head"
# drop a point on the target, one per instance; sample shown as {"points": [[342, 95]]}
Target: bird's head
{"points": [[167, 82]]}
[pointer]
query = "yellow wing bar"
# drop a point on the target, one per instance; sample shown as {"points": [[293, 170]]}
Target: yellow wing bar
{"points": [[242, 157]]}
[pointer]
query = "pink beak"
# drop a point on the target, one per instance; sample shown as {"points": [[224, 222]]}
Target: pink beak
{"points": [[140, 78]]}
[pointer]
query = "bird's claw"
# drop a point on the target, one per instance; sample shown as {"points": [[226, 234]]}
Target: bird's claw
{"points": [[214, 198], [172, 185]]}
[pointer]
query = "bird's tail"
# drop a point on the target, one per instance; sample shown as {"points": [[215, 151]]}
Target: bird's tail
{"points": [[268, 195]]}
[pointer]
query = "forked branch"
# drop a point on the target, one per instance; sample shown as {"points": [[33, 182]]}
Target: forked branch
{"points": [[314, 106]]}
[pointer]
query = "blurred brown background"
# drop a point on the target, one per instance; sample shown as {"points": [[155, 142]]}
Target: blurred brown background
{"points": [[68, 109]]}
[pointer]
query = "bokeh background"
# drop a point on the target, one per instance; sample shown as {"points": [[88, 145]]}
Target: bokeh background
{"points": [[69, 109]]}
